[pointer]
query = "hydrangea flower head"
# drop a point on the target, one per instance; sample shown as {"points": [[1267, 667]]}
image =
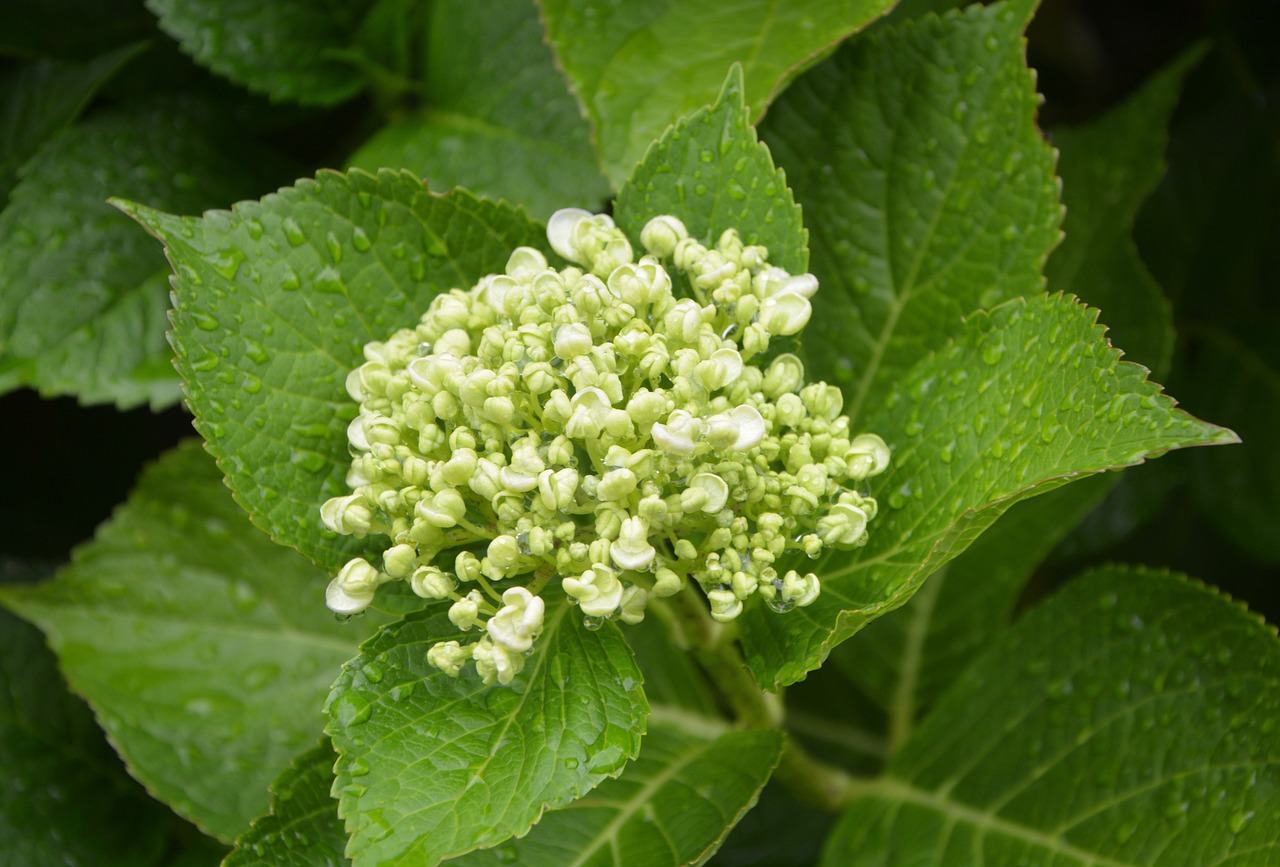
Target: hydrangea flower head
{"points": [[590, 425]]}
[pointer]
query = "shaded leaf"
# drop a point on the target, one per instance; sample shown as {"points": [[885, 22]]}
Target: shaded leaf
{"points": [[672, 806], [431, 766], [274, 302], [1108, 169], [303, 828], [711, 171], [64, 797], [82, 292], [39, 99], [205, 650], [1127, 721], [905, 659], [286, 49], [1026, 399], [498, 118], [637, 68], [927, 189], [1236, 377], [71, 29]]}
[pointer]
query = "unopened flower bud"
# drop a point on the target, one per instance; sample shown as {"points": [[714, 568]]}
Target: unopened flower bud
{"points": [[430, 582]]}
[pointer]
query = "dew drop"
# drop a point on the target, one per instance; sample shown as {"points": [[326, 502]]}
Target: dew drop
{"points": [[293, 232]]}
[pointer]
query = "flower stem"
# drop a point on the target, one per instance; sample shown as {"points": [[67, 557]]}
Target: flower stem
{"points": [[817, 783]]}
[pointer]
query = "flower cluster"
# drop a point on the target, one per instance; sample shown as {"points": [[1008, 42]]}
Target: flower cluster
{"points": [[589, 424]]}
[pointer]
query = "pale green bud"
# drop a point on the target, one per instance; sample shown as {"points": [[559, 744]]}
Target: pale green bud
{"points": [[449, 657], [558, 488], [844, 525], [503, 554], [802, 590], [525, 263], [399, 560], [867, 456], [598, 591], [744, 584], [572, 340], [632, 550], [519, 620], [460, 467], [521, 474], [725, 606], [616, 484], [633, 604], [789, 410], [351, 591], [707, 492], [785, 375], [645, 406], [785, 314], [667, 583], [349, 515], [430, 582], [495, 662], [722, 368], [467, 566], [684, 321], [367, 381], [680, 434], [661, 235], [686, 550], [455, 342], [641, 284], [442, 509]]}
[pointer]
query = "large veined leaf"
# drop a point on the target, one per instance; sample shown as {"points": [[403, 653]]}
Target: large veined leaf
{"points": [[636, 67], [205, 650], [1027, 398], [82, 292], [671, 807], [274, 302], [711, 171], [64, 797], [1129, 720], [1108, 167], [39, 99], [287, 49], [303, 828], [498, 118], [927, 189], [431, 766]]}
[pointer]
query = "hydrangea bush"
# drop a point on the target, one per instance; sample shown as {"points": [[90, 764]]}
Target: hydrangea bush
{"points": [[550, 526]]}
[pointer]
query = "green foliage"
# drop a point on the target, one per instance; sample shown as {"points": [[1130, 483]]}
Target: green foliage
{"points": [[82, 296], [637, 68], [980, 282], [303, 829], [64, 794], [496, 118], [273, 303], [180, 624], [1128, 720], [432, 766], [287, 49], [710, 169], [1027, 398], [946, 199]]}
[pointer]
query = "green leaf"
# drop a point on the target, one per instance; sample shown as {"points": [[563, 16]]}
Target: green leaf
{"points": [[82, 292], [286, 49], [274, 303], [638, 67], [498, 118], [906, 659], [673, 805], [1127, 721], [64, 797], [712, 172], [1108, 169], [432, 766], [926, 186], [39, 99], [303, 828], [1029, 397], [205, 650], [1237, 378], [71, 29]]}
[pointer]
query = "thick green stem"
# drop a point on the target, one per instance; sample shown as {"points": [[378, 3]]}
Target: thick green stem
{"points": [[819, 784]]}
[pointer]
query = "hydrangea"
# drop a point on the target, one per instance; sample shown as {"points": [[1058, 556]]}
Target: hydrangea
{"points": [[619, 425]]}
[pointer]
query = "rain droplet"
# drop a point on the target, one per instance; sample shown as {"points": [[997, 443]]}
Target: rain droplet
{"points": [[293, 232]]}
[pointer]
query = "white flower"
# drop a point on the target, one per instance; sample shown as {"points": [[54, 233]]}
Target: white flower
{"points": [[519, 620], [598, 591], [632, 550], [351, 591]]}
